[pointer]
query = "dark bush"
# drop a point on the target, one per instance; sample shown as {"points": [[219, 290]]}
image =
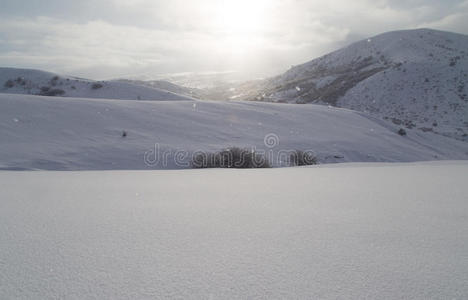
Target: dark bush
{"points": [[56, 92], [234, 157], [402, 132], [9, 83], [53, 81], [47, 91], [301, 158], [96, 86]]}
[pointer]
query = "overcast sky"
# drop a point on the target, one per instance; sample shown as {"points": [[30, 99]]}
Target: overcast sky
{"points": [[103, 39]]}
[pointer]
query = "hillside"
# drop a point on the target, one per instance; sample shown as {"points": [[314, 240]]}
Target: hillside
{"points": [[416, 79], [88, 134], [34, 82], [166, 86]]}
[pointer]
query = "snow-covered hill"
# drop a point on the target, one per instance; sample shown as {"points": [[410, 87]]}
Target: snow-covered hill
{"points": [[90, 134], [417, 79], [34, 82], [367, 231], [166, 86]]}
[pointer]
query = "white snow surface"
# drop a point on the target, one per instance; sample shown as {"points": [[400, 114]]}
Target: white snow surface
{"points": [[358, 231], [53, 133], [418, 78], [26, 81]]}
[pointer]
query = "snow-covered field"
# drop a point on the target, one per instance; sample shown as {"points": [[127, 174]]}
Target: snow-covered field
{"points": [[357, 231], [54, 133]]}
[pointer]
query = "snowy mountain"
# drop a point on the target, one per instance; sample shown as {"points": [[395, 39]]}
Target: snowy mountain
{"points": [[91, 134], [34, 82], [416, 79]]}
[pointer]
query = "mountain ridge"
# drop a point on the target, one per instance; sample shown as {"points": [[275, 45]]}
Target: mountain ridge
{"points": [[413, 78]]}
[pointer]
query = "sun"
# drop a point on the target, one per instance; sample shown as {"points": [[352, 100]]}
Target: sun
{"points": [[241, 17]]}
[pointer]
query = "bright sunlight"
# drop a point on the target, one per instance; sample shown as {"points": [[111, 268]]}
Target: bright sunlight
{"points": [[242, 17]]}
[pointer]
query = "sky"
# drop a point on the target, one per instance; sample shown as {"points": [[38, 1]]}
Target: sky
{"points": [[103, 39]]}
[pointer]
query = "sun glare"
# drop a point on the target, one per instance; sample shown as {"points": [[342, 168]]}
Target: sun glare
{"points": [[241, 17]]}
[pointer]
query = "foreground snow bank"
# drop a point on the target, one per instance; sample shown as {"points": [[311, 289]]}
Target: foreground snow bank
{"points": [[347, 231]]}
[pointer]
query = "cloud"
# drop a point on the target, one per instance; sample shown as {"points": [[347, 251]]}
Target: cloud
{"points": [[111, 38], [457, 21]]}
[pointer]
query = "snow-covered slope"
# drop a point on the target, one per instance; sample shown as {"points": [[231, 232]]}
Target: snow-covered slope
{"points": [[343, 232], [166, 86], [416, 78], [75, 134], [23, 81]]}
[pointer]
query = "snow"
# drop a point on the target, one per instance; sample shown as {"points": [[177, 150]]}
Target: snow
{"points": [[425, 89], [31, 81], [418, 78], [354, 227], [53, 133], [355, 231], [323, 82]]}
